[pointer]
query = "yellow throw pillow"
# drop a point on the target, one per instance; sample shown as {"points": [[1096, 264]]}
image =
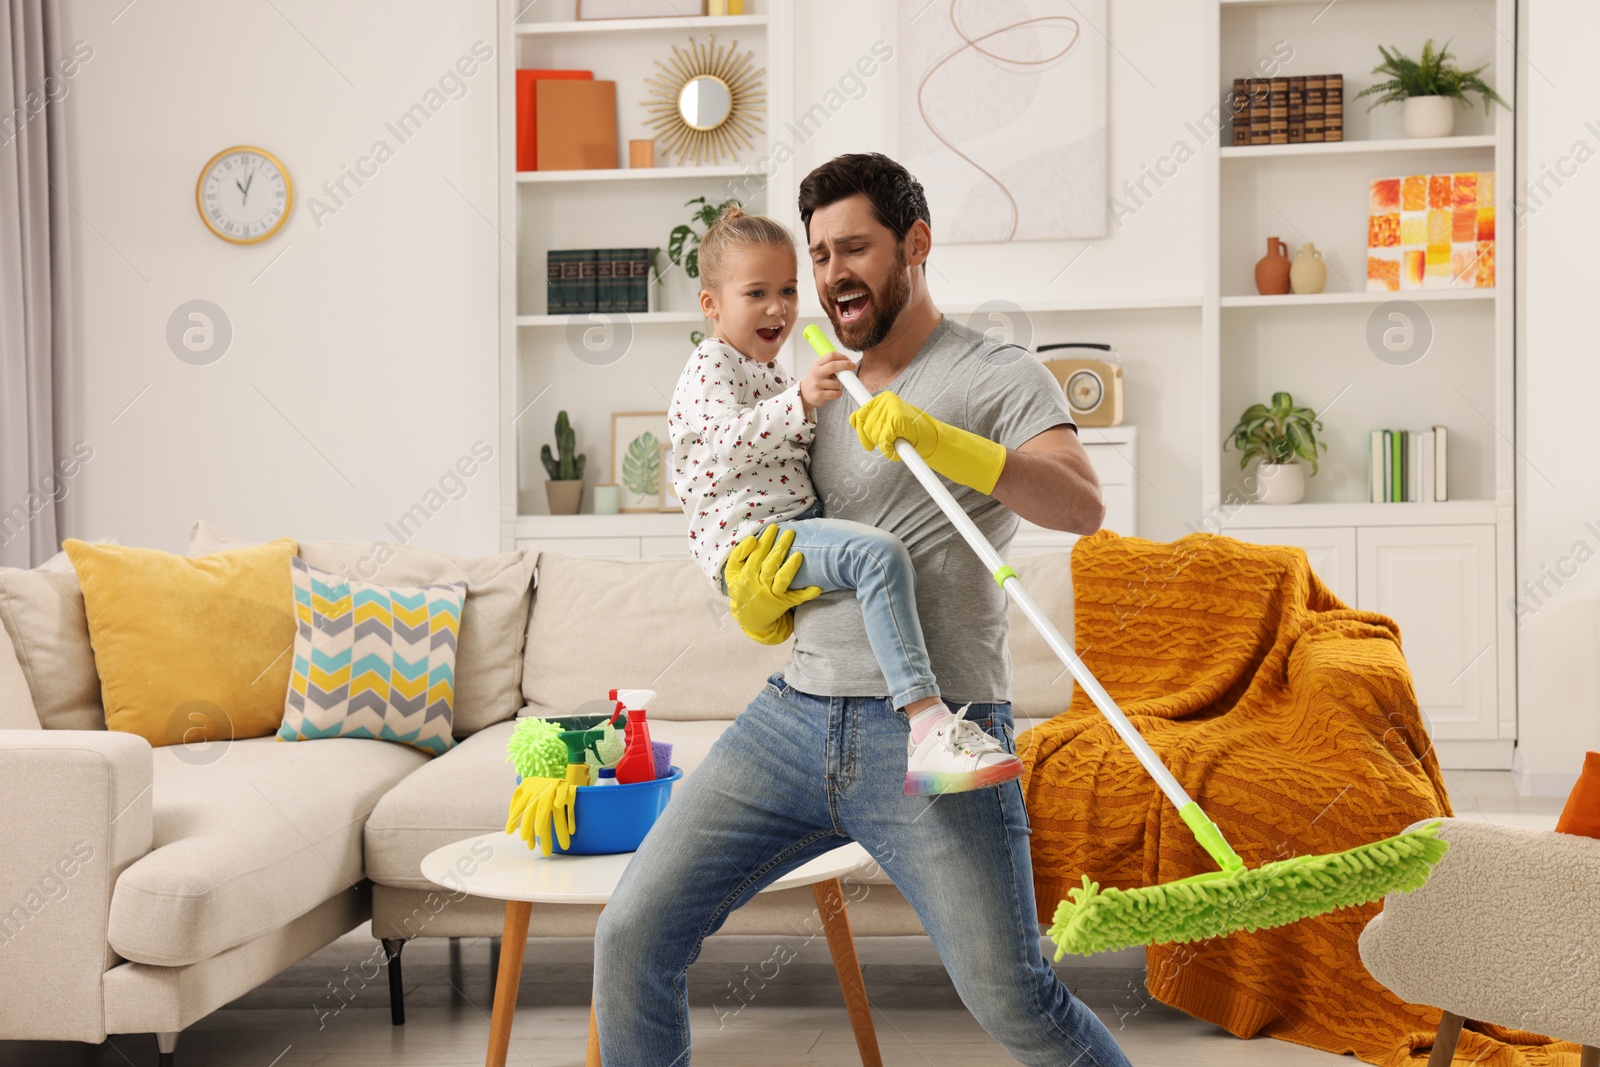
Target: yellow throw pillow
{"points": [[189, 649]]}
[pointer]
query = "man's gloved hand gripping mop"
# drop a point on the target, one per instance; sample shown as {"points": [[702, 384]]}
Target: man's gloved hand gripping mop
{"points": [[1205, 905]]}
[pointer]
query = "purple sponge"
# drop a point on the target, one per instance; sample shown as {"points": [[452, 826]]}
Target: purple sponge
{"points": [[662, 751]]}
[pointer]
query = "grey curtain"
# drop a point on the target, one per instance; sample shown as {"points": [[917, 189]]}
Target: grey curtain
{"points": [[37, 461]]}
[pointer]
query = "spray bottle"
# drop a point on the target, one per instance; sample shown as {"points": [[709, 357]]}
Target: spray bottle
{"points": [[638, 762]]}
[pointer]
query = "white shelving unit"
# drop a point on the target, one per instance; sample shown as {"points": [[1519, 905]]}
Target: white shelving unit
{"points": [[1443, 571]]}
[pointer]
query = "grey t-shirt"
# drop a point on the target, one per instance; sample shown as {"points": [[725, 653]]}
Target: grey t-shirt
{"points": [[961, 377]]}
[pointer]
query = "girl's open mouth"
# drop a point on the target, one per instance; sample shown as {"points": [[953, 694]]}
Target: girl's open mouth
{"points": [[851, 305], [769, 334]]}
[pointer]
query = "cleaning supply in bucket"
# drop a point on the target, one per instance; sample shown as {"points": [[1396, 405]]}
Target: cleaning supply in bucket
{"points": [[662, 751], [638, 763], [535, 749], [607, 776], [606, 751]]}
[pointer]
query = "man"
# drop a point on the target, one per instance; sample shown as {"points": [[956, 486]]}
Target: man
{"points": [[818, 757]]}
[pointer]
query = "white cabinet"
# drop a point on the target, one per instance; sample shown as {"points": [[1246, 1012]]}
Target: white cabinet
{"points": [[1331, 551], [1437, 582]]}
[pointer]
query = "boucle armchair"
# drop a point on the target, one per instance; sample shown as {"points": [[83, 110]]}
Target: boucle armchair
{"points": [[1506, 931]]}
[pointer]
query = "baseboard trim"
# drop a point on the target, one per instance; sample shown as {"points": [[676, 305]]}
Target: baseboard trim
{"points": [[1531, 783], [1494, 755]]}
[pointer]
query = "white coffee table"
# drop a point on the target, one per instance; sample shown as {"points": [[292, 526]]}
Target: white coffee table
{"points": [[501, 867]]}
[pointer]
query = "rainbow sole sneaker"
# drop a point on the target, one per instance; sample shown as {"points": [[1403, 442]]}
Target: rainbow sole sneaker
{"points": [[957, 757]]}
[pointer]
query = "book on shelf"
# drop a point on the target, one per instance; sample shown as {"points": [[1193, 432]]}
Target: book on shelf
{"points": [[585, 280], [1315, 85], [1408, 466], [1333, 107], [1259, 90], [1278, 111], [1239, 111], [1297, 110], [528, 112]]}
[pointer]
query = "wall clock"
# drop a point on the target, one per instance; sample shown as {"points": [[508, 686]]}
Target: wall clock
{"points": [[244, 194]]}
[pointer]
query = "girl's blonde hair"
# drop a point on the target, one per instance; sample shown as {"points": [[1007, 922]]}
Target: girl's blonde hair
{"points": [[732, 230]]}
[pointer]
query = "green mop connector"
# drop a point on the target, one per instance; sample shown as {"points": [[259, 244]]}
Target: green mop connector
{"points": [[819, 340], [1210, 838]]}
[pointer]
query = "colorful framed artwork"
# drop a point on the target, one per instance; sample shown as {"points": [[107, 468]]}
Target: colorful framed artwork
{"points": [[1431, 231], [636, 440]]}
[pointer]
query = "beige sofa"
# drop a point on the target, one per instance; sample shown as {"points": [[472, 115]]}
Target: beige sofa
{"points": [[144, 888]]}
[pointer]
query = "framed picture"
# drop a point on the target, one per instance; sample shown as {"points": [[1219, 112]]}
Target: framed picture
{"points": [[669, 495], [636, 440], [639, 9]]}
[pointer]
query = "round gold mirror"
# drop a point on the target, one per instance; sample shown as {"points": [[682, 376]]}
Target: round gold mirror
{"points": [[705, 102]]}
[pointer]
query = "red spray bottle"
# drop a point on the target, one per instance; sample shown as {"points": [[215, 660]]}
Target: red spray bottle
{"points": [[638, 763]]}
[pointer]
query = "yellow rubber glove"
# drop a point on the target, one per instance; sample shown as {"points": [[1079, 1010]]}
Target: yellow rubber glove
{"points": [[758, 574], [525, 806], [960, 455]]}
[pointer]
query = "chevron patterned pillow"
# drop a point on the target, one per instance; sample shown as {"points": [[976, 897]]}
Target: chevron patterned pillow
{"points": [[372, 661]]}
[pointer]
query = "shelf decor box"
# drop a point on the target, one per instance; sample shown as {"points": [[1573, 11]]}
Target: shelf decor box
{"points": [[1431, 231]]}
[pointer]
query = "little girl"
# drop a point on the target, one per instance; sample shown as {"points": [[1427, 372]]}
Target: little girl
{"points": [[740, 427]]}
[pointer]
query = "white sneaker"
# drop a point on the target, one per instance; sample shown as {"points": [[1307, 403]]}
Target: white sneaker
{"points": [[956, 758]]}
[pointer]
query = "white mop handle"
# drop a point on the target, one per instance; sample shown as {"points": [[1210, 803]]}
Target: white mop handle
{"points": [[1013, 586]]}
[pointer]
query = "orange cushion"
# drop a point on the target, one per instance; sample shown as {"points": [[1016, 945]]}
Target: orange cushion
{"points": [[1582, 813]]}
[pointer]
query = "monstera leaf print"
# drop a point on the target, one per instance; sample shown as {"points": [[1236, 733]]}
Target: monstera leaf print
{"points": [[641, 466]]}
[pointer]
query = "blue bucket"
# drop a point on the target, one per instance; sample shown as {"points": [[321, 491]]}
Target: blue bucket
{"points": [[616, 818]]}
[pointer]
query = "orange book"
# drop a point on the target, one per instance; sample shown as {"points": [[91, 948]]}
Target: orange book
{"points": [[577, 125], [527, 113]]}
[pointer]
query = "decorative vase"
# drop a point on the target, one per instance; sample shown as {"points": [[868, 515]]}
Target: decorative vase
{"points": [[564, 496], [1280, 483], [1429, 116], [1272, 270], [1309, 273]]}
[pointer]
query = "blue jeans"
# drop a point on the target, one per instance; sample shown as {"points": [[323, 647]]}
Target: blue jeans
{"points": [[843, 555], [798, 775]]}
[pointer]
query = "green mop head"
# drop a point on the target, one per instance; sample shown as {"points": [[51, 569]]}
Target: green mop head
{"points": [[536, 749], [1210, 905]]}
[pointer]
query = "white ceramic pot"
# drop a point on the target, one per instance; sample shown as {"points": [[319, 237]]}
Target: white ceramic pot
{"points": [[1280, 483], [1430, 116]]}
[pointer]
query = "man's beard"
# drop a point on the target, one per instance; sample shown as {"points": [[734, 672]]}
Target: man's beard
{"points": [[883, 309]]}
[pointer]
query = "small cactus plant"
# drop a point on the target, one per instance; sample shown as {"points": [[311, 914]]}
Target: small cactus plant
{"points": [[569, 468]]}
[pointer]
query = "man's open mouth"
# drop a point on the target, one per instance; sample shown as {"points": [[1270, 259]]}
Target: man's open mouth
{"points": [[852, 305], [769, 334]]}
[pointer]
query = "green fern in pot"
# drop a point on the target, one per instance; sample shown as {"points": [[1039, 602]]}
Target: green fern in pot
{"points": [[1431, 86], [1279, 434]]}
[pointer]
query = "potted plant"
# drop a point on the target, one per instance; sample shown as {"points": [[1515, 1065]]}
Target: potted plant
{"points": [[564, 490], [683, 243], [1430, 86], [1280, 435]]}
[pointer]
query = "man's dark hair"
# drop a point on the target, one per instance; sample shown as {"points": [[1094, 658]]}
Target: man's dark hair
{"points": [[896, 197]]}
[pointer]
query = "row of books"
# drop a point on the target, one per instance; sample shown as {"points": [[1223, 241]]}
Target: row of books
{"points": [[598, 279], [1408, 466], [1299, 110]]}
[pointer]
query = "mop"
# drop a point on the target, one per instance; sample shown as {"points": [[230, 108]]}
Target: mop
{"points": [[1203, 906]]}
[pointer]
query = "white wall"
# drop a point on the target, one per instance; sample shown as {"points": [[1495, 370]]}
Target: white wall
{"points": [[1558, 491], [363, 362], [1156, 85]]}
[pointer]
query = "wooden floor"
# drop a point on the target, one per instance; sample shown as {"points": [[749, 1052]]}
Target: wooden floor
{"points": [[797, 1020]]}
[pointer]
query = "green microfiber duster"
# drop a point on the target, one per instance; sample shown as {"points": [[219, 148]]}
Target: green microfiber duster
{"points": [[536, 749], [1221, 902]]}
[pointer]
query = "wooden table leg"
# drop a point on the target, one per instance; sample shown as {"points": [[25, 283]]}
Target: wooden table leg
{"points": [[1445, 1041], [591, 1054], [513, 943], [830, 903]]}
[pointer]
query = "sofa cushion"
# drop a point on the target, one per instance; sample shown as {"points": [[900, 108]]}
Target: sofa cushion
{"points": [[1041, 688], [16, 703], [598, 623], [189, 649], [42, 612], [373, 661], [466, 791], [494, 621], [248, 836]]}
